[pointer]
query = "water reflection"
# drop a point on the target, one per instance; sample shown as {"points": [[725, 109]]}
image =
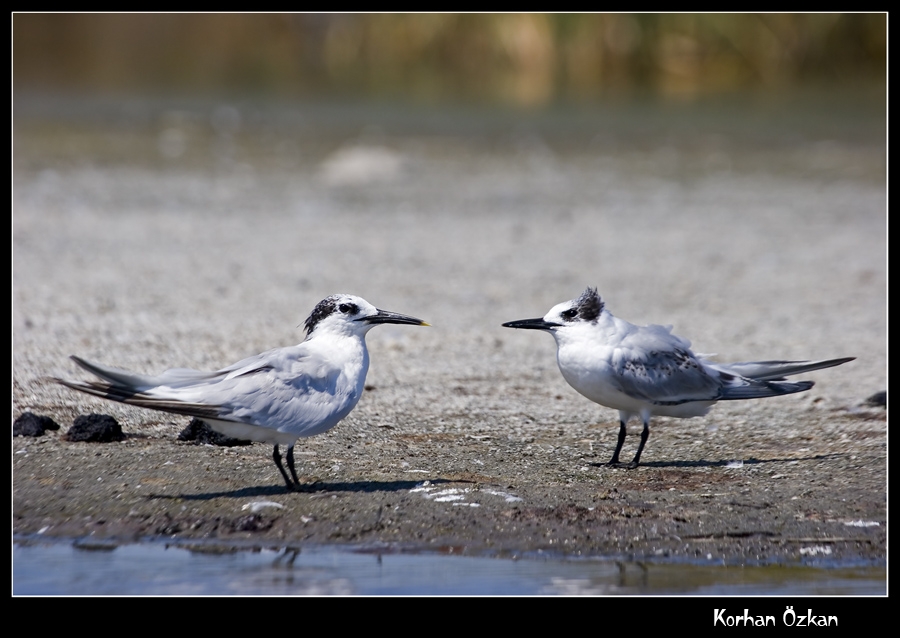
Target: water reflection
{"points": [[65, 568]]}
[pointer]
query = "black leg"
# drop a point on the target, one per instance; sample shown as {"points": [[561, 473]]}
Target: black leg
{"points": [[290, 460], [622, 432], [645, 434], [276, 456]]}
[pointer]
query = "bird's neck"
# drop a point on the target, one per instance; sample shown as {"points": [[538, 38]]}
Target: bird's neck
{"points": [[336, 345], [601, 331]]}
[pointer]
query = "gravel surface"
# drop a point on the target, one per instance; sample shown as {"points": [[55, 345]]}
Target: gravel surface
{"points": [[150, 236]]}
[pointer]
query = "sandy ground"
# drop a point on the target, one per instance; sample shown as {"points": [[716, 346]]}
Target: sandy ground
{"points": [[159, 236]]}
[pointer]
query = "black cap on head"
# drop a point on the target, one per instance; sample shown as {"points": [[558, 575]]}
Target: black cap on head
{"points": [[589, 305]]}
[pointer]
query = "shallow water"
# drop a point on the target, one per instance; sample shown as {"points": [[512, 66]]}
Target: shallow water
{"points": [[67, 568]]}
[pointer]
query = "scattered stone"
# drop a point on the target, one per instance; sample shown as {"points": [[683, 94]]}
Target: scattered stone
{"points": [[199, 432], [95, 428], [877, 400], [31, 424]]}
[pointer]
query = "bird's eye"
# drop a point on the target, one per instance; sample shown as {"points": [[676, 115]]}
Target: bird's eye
{"points": [[348, 308], [569, 314]]}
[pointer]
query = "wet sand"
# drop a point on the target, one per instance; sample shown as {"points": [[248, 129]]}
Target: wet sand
{"points": [[157, 240]]}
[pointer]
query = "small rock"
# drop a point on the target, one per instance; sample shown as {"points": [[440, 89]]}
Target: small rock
{"points": [[877, 400], [31, 424], [199, 432], [95, 428]]}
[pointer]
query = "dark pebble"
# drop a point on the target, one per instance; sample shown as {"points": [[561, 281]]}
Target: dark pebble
{"points": [[878, 400], [199, 432], [95, 428], [31, 424]]}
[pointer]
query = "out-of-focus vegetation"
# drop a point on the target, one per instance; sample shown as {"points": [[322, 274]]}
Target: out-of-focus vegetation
{"points": [[525, 59]]}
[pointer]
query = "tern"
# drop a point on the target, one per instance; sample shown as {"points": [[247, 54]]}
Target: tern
{"points": [[647, 371], [275, 397]]}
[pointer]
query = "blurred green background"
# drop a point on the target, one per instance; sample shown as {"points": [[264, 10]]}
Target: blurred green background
{"points": [[527, 60]]}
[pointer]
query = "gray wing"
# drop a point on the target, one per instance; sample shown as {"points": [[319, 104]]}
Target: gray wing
{"points": [[756, 379], [666, 377], [778, 370], [287, 389], [176, 377], [128, 387], [678, 376], [659, 367], [114, 392], [656, 366], [281, 389]]}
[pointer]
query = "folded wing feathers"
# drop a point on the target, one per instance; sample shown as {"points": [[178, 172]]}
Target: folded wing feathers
{"points": [[760, 389], [177, 377], [123, 394], [778, 370]]}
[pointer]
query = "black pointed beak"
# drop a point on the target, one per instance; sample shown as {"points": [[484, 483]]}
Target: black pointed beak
{"points": [[531, 324], [384, 316]]}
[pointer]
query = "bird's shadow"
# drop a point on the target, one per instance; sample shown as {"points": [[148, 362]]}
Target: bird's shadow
{"points": [[725, 463], [315, 489]]}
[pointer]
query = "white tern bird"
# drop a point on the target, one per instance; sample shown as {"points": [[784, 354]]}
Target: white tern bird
{"points": [[275, 397], [647, 371]]}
